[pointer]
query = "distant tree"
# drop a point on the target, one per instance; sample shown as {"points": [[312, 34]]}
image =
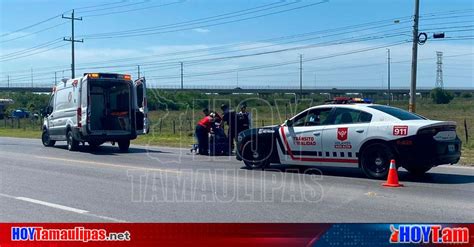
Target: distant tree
{"points": [[441, 96], [466, 95]]}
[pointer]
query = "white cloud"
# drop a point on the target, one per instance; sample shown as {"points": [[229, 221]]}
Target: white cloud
{"points": [[201, 30]]}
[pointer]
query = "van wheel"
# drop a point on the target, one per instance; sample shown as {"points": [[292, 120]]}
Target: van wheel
{"points": [[124, 145], [72, 144], [375, 160], [47, 142]]}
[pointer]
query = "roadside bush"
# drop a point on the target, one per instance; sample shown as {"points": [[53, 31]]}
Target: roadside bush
{"points": [[441, 96]]}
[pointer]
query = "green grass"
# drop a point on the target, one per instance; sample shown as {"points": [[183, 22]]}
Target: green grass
{"points": [[22, 133]]}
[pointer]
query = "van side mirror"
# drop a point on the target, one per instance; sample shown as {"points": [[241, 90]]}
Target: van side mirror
{"points": [[47, 110]]}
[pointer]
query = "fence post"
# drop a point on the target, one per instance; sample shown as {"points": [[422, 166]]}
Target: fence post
{"points": [[190, 125], [161, 123], [11, 120], [174, 127], [263, 122], [465, 130], [18, 123]]}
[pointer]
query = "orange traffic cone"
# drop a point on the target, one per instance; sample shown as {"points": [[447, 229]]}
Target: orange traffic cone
{"points": [[392, 179]]}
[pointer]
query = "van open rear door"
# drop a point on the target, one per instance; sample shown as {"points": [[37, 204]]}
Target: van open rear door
{"points": [[141, 112]]}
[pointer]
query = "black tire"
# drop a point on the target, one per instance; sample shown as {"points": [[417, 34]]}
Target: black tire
{"points": [[375, 160], [417, 170], [72, 144], [254, 156], [124, 145], [47, 142]]}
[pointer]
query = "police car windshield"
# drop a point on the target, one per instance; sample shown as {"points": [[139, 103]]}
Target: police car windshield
{"points": [[398, 113]]}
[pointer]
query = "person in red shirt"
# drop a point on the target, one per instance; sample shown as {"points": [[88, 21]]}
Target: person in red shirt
{"points": [[203, 127]]}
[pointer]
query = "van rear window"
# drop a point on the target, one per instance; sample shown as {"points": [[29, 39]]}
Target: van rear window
{"points": [[398, 113]]}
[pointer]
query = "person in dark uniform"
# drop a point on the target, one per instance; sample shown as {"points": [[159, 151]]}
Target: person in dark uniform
{"points": [[203, 128], [228, 117], [243, 119], [205, 111]]}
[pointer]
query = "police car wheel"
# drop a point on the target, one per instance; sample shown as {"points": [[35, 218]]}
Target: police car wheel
{"points": [[254, 157], [417, 170], [72, 144], [47, 142], [375, 160]]}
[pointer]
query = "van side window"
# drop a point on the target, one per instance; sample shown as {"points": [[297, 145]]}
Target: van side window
{"points": [[64, 99]]}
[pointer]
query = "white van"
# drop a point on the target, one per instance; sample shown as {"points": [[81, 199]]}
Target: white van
{"points": [[96, 108]]}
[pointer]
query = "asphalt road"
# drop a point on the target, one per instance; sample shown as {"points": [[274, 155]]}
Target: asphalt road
{"points": [[170, 185]]}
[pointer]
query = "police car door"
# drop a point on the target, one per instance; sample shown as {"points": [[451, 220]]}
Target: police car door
{"points": [[341, 139], [302, 138], [141, 109]]}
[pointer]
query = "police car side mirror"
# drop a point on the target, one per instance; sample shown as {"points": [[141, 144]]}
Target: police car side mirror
{"points": [[289, 122]]}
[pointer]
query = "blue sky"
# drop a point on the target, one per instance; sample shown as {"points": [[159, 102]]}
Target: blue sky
{"points": [[325, 64]]}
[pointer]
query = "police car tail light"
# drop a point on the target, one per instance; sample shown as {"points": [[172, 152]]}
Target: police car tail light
{"points": [[79, 117], [436, 129]]}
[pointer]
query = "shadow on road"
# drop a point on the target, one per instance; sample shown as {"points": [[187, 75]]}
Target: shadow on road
{"points": [[110, 150], [404, 176]]}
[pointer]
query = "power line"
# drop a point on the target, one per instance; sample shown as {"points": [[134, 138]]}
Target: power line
{"points": [[115, 7], [195, 20], [49, 43], [284, 63], [33, 33], [100, 5], [137, 9], [270, 39], [130, 33], [38, 52], [30, 26]]}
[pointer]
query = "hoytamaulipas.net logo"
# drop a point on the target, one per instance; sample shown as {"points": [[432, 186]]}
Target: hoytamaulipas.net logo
{"points": [[434, 234], [73, 234]]}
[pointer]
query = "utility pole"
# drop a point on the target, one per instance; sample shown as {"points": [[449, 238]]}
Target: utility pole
{"points": [[237, 78], [414, 58], [182, 77], [72, 40], [388, 64], [55, 78], [301, 75], [138, 67]]}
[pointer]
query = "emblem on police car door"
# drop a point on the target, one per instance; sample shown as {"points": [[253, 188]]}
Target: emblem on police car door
{"points": [[342, 134]]}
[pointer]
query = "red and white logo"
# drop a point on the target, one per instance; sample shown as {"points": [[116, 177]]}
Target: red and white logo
{"points": [[400, 130], [342, 134]]}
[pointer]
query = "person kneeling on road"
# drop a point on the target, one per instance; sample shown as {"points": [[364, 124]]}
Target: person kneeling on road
{"points": [[203, 128]]}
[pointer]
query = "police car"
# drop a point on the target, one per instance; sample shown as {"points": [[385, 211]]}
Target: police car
{"points": [[351, 132]]}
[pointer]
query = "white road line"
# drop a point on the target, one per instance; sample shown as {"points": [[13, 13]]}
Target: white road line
{"points": [[61, 207], [52, 205]]}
